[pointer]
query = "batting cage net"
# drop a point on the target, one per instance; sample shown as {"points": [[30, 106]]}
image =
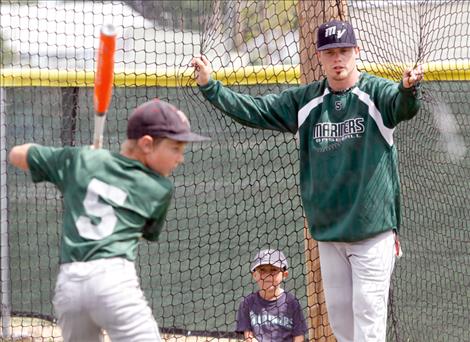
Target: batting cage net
{"points": [[238, 193]]}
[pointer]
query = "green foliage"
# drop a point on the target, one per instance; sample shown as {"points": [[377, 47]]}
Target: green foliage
{"points": [[261, 16]]}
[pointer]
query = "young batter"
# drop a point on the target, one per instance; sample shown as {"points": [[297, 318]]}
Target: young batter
{"points": [[111, 200], [348, 171]]}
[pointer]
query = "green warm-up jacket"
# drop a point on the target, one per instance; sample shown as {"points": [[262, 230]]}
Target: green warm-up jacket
{"points": [[348, 160]]}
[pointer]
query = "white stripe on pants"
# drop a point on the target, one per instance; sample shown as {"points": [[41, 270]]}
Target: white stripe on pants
{"points": [[356, 280]]}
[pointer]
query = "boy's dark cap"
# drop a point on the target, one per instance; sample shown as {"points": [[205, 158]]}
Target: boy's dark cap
{"points": [[269, 257], [335, 34], [158, 118]]}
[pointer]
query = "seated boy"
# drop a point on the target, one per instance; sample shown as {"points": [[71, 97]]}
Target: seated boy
{"points": [[270, 314]]}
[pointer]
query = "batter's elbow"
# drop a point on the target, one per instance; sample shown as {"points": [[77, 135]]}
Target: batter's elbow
{"points": [[18, 156]]}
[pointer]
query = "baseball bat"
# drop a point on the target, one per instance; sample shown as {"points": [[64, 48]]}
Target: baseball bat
{"points": [[104, 77]]}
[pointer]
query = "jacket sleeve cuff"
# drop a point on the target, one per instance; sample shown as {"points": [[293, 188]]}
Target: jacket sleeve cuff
{"points": [[208, 86], [415, 90]]}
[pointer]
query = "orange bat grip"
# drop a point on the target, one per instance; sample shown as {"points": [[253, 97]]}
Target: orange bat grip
{"points": [[104, 70]]}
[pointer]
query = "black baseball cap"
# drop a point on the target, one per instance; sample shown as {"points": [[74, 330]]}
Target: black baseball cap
{"points": [[158, 118], [269, 257], [335, 34]]}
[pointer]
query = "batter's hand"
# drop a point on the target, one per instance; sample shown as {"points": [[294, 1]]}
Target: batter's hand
{"points": [[202, 70], [412, 76]]}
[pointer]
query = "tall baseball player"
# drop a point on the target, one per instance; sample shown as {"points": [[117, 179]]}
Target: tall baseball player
{"points": [[348, 171], [111, 200]]}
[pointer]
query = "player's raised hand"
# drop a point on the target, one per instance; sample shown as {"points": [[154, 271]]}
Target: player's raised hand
{"points": [[202, 69], [412, 76]]}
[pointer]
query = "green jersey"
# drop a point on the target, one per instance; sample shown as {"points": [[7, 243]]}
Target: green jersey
{"points": [[110, 201], [348, 161]]}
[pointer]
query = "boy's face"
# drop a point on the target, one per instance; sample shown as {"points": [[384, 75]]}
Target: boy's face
{"points": [[339, 63], [269, 277], [164, 156]]}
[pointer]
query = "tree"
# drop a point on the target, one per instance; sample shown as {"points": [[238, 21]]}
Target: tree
{"points": [[175, 14], [263, 21]]}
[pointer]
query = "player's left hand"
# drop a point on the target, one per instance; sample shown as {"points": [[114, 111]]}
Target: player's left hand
{"points": [[202, 68], [412, 76]]}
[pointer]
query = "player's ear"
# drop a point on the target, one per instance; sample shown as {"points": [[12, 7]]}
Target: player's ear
{"points": [[319, 57], [145, 143], [285, 274]]}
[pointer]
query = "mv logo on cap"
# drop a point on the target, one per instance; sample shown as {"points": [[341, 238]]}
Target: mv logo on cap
{"points": [[330, 31], [335, 34]]}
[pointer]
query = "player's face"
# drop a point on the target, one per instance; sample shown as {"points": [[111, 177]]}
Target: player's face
{"points": [[165, 156], [269, 277], [339, 64]]}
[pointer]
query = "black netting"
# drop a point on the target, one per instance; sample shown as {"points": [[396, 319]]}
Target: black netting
{"points": [[239, 192]]}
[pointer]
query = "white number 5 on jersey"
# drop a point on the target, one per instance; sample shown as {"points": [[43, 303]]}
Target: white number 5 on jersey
{"points": [[93, 207]]}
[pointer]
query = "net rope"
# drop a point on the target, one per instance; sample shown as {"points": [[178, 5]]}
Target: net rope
{"points": [[238, 193]]}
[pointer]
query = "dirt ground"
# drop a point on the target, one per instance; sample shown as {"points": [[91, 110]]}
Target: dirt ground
{"points": [[37, 330]]}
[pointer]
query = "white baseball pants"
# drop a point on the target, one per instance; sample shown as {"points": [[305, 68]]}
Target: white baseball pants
{"points": [[102, 294], [356, 280]]}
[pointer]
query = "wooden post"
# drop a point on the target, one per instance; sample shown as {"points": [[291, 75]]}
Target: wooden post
{"points": [[311, 15]]}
